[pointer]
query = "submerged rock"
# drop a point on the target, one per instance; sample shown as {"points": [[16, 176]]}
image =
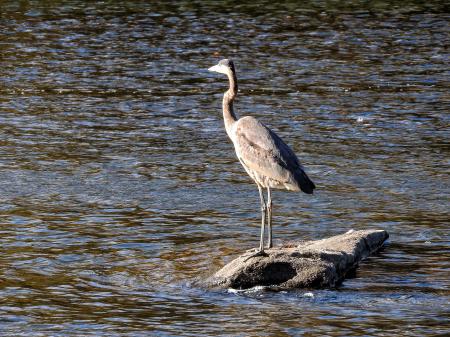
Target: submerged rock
{"points": [[312, 264]]}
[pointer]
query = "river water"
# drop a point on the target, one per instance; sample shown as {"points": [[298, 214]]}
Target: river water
{"points": [[119, 187]]}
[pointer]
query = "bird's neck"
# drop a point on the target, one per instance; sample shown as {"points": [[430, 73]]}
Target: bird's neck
{"points": [[229, 116]]}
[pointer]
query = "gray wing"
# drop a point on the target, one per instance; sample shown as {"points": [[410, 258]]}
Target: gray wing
{"points": [[264, 152]]}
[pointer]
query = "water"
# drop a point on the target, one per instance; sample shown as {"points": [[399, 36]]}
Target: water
{"points": [[119, 186]]}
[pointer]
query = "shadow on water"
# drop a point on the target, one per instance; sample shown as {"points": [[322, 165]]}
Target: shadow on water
{"points": [[119, 186]]}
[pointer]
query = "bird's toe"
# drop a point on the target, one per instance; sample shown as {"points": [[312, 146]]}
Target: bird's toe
{"points": [[256, 254]]}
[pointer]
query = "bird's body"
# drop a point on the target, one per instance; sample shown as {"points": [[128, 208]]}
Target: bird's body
{"points": [[265, 157]]}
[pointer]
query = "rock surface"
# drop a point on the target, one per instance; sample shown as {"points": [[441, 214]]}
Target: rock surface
{"points": [[312, 264]]}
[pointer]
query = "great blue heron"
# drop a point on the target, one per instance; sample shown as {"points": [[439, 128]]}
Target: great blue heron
{"points": [[265, 157]]}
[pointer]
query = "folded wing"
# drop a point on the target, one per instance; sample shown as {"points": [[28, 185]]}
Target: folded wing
{"points": [[262, 151]]}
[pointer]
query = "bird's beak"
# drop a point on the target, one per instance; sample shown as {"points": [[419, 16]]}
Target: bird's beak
{"points": [[215, 68]]}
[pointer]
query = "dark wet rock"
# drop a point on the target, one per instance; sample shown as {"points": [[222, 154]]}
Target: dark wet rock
{"points": [[312, 264]]}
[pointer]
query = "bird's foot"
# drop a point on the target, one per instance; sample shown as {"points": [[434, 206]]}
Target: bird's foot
{"points": [[256, 252]]}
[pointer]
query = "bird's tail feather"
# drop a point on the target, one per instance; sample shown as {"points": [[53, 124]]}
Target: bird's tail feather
{"points": [[305, 184]]}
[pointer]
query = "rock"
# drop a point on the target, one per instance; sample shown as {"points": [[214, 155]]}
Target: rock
{"points": [[312, 264]]}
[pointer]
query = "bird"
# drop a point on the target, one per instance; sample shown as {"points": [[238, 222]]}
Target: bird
{"points": [[265, 157]]}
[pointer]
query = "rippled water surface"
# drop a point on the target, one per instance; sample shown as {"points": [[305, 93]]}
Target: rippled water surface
{"points": [[119, 186]]}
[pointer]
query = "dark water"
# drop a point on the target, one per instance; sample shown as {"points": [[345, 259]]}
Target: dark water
{"points": [[119, 186]]}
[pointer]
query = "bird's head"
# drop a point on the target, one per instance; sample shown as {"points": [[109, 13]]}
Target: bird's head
{"points": [[224, 66]]}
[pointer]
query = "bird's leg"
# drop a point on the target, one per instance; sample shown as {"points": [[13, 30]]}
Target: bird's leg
{"points": [[263, 218], [260, 251], [269, 217]]}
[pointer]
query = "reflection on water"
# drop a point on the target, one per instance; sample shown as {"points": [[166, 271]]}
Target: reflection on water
{"points": [[120, 187]]}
